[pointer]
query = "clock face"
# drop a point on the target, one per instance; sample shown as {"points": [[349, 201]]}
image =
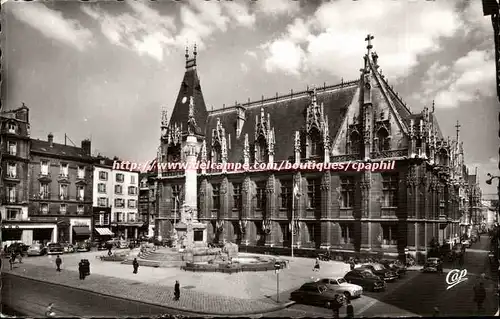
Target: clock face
{"points": [[184, 99]]}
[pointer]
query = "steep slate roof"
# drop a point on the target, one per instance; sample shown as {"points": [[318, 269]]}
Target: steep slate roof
{"points": [[287, 113], [190, 86], [44, 148]]}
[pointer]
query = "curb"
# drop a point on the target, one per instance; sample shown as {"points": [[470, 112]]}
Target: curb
{"points": [[213, 314]]}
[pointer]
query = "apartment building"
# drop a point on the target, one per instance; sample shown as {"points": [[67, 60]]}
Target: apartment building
{"points": [[14, 158], [60, 180], [116, 198]]}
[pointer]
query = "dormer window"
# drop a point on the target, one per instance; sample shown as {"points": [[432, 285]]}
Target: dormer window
{"points": [[315, 144], [12, 128], [383, 140], [261, 150], [355, 147], [216, 153]]}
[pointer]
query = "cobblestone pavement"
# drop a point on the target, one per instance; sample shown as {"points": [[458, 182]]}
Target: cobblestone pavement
{"points": [[201, 292]]}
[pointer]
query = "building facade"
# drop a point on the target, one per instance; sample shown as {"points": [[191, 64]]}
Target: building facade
{"points": [[147, 202], [14, 159], [60, 179], [360, 121], [102, 199]]}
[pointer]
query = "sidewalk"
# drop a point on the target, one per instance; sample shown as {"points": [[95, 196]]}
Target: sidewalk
{"points": [[190, 301]]}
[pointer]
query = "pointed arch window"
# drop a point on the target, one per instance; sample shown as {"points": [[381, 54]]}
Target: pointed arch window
{"points": [[383, 140], [315, 144], [261, 150], [216, 153], [355, 147], [174, 153], [443, 158]]}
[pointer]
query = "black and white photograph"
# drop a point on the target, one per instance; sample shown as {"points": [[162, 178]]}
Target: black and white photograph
{"points": [[249, 158]]}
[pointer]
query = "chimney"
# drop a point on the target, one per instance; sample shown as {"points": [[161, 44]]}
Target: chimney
{"points": [[86, 147], [50, 138]]}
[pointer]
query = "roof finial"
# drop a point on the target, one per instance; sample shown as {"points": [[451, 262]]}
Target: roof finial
{"points": [[369, 39], [433, 106], [195, 52], [458, 126], [187, 51]]}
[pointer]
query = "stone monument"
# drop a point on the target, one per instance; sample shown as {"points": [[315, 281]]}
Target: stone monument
{"points": [[191, 232]]}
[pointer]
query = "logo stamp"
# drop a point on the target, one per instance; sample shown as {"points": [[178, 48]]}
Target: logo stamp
{"points": [[456, 276]]}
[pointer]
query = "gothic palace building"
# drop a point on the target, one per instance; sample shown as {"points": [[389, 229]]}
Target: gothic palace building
{"points": [[362, 120]]}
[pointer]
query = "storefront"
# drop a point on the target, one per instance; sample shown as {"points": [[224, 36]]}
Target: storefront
{"points": [[103, 234], [127, 230], [28, 232], [80, 230]]}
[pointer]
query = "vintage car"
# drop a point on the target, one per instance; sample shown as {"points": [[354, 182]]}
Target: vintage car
{"points": [[68, 248], [341, 286], [365, 279], [37, 250], [55, 249], [380, 270], [82, 247], [18, 248], [395, 266], [433, 264], [316, 293]]}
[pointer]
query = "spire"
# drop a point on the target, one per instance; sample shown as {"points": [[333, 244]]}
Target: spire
{"points": [[458, 129], [369, 39], [433, 106], [191, 63]]}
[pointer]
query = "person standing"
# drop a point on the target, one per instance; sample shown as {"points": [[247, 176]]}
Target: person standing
{"points": [[177, 290], [135, 264], [479, 295], [336, 304], [58, 263], [12, 260], [81, 270], [349, 309], [316, 265]]}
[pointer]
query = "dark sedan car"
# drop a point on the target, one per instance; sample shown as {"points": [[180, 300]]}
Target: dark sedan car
{"points": [[18, 248], [379, 270], [365, 279], [395, 266], [316, 293]]}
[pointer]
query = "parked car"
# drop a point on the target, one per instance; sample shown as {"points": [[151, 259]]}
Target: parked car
{"points": [[433, 264], [395, 266], [37, 250], [341, 286], [315, 293], [18, 248], [102, 245], [365, 279], [55, 249], [68, 248], [379, 270], [82, 247]]}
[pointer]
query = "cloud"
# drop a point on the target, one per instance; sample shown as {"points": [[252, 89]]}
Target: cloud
{"points": [[285, 55], [472, 77], [143, 30], [333, 36], [278, 7], [240, 13], [52, 24], [244, 67], [251, 53]]}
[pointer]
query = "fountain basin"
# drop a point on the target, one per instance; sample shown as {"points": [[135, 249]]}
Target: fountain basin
{"points": [[234, 266]]}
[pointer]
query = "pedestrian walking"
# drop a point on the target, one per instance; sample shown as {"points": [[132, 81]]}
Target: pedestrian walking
{"points": [[12, 260], [81, 270], [479, 295], [349, 309], [135, 264], [336, 304], [316, 265], [58, 263], [177, 290]]}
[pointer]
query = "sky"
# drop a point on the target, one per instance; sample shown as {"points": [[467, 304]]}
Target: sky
{"points": [[105, 70]]}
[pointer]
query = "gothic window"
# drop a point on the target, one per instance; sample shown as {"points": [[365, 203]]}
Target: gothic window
{"points": [[313, 193], [315, 144], [286, 196], [237, 196], [261, 154], [216, 153], [176, 192], [355, 143], [389, 234], [347, 233], [312, 231], [390, 190], [261, 195], [383, 140], [216, 196], [347, 192], [173, 154], [443, 158]]}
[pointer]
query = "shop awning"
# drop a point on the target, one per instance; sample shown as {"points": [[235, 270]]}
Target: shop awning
{"points": [[81, 230], [104, 231]]}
